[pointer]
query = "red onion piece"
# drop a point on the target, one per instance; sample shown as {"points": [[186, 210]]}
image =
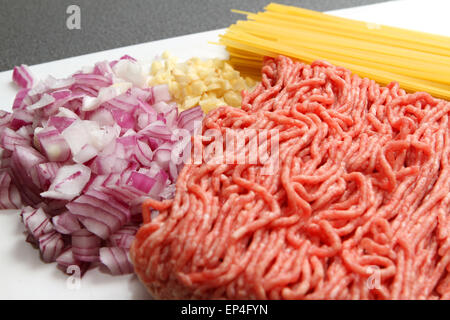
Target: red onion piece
{"points": [[124, 119], [22, 76], [98, 214], [46, 173], [86, 153], [116, 260], [131, 71], [162, 156], [188, 118], [9, 195], [128, 58], [36, 222], [60, 123], [69, 182], [92, 80], [51, 245], [22, 99], [67, 259], [66, 223], [21, 118], [161, 93], [53, 145], [44, 101], [85, 246], [141, 182], [103, 117], [123, 237], [10, 138]]}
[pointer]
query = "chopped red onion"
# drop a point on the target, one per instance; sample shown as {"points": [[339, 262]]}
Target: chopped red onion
{"points": [[66, 223], [86, 153], [53, 145], [116, 260], [46, 173], [51, 245], [9, 195], [103, 117], [131, 71], [128, 58], [36, 221], [79, 155], [21, 118], [66, 260], [23, 77], [60, 123], [141, 182], [44, 101], [10, 139], [69, 182], [85, 246], [161, 93], [123, 237]]}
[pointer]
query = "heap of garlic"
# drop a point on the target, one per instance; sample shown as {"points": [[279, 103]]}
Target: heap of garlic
{"points": [[209, 83]]}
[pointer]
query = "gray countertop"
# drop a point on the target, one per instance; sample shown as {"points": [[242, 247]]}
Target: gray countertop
{"points": [[35, 31]]}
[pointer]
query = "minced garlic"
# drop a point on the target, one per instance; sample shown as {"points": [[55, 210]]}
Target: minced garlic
{"points": [[209, 83]]}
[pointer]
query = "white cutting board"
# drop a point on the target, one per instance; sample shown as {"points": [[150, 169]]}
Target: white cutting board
{"points": [[24, 276]]}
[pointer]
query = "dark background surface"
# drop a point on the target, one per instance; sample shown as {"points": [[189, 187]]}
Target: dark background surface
{"points": [[35, 31]]}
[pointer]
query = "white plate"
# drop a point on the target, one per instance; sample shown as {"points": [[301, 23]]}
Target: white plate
{"points": [[24, 276]]}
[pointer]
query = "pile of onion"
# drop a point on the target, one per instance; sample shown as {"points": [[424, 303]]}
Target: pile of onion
{"points": [[79, 155]]}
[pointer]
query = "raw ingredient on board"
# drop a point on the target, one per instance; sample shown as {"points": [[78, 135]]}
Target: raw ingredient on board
{"points": [[209, 83], [79, 155], [359, 208], [419, 61]]}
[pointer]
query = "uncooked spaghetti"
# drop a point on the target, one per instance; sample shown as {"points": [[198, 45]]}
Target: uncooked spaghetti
{"points": [[359, 208], [418, 61]]}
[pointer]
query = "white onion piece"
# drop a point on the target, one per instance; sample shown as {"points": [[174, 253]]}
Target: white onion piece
{"points": [[69, 182]]}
